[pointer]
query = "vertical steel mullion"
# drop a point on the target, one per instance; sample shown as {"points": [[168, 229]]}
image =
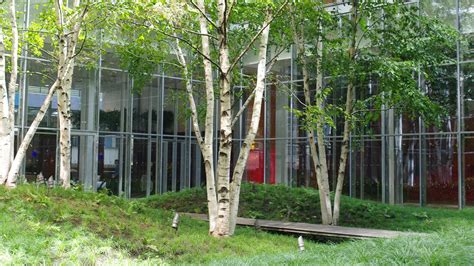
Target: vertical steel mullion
{"points": [[148, 161], [383, 154], [421, 146], [23, 93], [161, 178], [461, 189], [291, 161], [351, 181], [95, 167], [175, 146], [130, 137], [265, 134]]}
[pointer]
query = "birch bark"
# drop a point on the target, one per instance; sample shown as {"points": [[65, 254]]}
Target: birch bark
{"points": [[254, 122], [225, 131], [12, 85], [4, 115], [207, 150], [68, 47]]}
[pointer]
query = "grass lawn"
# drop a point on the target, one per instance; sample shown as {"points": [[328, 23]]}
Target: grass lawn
{"points": [[40, 226]]}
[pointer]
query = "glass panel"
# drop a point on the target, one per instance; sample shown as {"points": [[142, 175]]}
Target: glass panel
{"points": [[112, 100], [445, 10], [139, 168], [153, 168], [254, 171], [366, 168], [38, 84], [410, 169], [467, 77], [41, 157], [441, 170], [466, 13], [143, 101], [83, 99], [443, 90], [469, 168], [168, 165], [198, 171], [278, 162], [174, 107], [110, 165], [156, 106]]}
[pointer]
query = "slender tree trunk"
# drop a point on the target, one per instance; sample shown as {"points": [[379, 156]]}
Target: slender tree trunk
{"points": [[13, 83], [325, 190], [207, 152], [343, 158], [225, 132], [319, 161], [64, 113], [254, 122], [67, 45], [4, 116], [20, 155], [347, 122]]}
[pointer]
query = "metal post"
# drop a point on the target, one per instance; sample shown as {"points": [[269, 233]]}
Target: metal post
{"points": [[459, 113]]}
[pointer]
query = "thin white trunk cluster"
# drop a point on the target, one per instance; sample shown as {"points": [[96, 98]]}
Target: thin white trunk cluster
{"points": [[330, 213], [67, 42], [222, 191]]}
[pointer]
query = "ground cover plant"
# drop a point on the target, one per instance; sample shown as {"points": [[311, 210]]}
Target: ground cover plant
{"points": [[56, 226], [282, 203]]}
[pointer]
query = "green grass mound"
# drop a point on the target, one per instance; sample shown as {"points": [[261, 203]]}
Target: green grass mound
{"points": [[278, 202], [57, 227], [41, 226]]}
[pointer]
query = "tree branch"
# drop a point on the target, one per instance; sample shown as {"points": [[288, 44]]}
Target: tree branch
{"points": [[203, 14], [255, 37], [187, 42], [242, 109]]}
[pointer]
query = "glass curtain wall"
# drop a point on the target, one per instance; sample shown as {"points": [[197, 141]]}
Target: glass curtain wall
{"points": [[142, 143]]}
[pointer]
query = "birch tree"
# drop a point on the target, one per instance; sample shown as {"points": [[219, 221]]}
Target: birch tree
{"points": [[378, 41], [68, 25], [7, 100], [203, 29]]}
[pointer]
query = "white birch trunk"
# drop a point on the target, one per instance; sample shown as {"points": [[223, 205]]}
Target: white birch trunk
{"points": [[225, 132], [254, 122], [4, 116], [64, 113], [67, 46], [12, 85], [207, 152]]}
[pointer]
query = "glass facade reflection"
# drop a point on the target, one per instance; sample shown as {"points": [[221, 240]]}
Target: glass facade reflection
{"points": [[138, 144]]}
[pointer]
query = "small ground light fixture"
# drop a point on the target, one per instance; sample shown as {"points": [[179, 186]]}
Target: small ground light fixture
{"points": [[175, 221], [301, 243]]}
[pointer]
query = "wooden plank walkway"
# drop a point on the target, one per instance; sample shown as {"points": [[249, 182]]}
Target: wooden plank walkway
{"points": [[340, 232]]}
